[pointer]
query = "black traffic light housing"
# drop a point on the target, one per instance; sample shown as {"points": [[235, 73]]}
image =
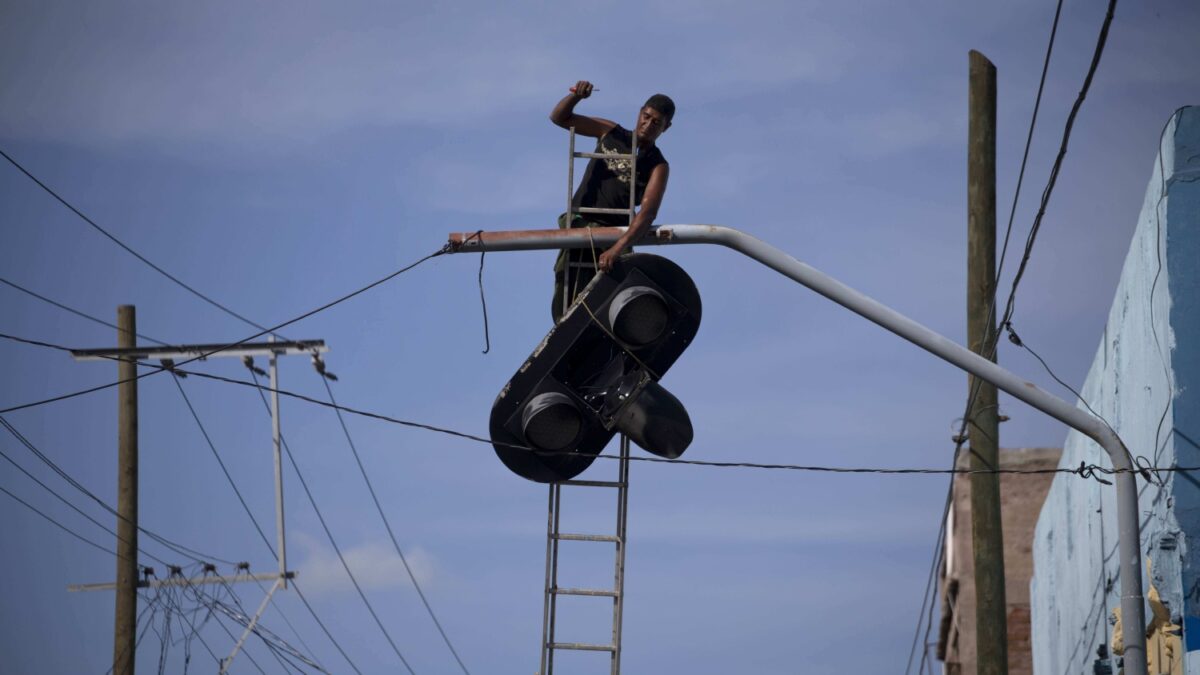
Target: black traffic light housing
{"points": [[596, 373]]}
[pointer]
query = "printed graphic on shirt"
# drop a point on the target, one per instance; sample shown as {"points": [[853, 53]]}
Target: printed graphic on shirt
{"points": [[619, 165]]}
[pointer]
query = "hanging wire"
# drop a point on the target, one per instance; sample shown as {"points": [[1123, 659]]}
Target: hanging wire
{"points": [[221, 348], [392, 535]]}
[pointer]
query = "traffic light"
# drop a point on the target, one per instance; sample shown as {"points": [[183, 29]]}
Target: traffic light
{"points": [[596, 373]]}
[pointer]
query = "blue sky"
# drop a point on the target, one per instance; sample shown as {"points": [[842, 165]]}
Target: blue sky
{"points": [[277, 155]]}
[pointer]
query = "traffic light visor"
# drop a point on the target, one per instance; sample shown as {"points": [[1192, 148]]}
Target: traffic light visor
{"points": [[638, 315], [551, 421]]}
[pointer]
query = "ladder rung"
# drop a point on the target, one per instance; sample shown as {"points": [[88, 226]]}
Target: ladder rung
{"points": [[586, 591], [596, 209], [601, 155], [594, 483], [587, 537], [582, 646]]}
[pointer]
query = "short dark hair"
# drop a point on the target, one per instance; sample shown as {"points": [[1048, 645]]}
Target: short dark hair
{"points": [[663, 104]]}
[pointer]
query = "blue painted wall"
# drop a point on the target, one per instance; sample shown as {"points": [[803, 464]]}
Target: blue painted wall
{"points": [[1145, 380]]}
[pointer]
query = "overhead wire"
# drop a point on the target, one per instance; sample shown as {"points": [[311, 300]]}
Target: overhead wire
{"points": [[75, 508], [391, 534], [149, 606], [261, 533], [1058, 161], [127, 248], [72, 310], [1086, 471], [991, 341], [231, 345], [224, 468], [178, 548], [329, 535], [59, 525]]}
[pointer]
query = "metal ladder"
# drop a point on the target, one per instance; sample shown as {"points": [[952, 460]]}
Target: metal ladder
{"points": [[552, 589], [553, 535], [571, 210]]}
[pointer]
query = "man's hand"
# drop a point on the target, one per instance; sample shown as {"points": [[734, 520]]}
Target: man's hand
{"points": [[582, 89], [609, 257]]}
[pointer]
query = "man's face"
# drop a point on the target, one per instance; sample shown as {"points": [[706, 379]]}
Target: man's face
{"points": [[651, 123]]}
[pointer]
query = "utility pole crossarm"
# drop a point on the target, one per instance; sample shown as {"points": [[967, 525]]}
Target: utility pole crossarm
{"points": [[184, 581], [181, 352], [1129, 529]]}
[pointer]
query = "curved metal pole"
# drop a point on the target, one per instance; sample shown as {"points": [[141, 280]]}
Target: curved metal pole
{"points": [[1133, 618]]}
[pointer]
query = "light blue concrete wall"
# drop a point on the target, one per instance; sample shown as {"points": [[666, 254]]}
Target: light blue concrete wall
{"points": [[1145, 380]]}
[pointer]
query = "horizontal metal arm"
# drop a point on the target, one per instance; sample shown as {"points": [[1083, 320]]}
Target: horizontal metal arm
{"points": [[182, 352], [184, 581], [1132, 604]]}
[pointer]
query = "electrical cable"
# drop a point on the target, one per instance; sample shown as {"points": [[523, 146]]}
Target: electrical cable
{"points": [[389, 277], [392, 535], [60, 526], [78, 510], [927, 599], [180, 549], [266, 540], [333, 542], [1158, 251], [73, 311], [299, 638], [150, 606], [1058, 161], [1086, 471], [272, 640], [991, 342], [127, 248], [487, 339], [243, 617]]}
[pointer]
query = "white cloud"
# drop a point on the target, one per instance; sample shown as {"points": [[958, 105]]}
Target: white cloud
{"points": [[375, 565]]}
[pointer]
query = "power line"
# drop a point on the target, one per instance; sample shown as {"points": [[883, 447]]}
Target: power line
{"points": [[186, 552], [333, 542], [75, 508], [59, 525], [1085, 471], [1058, 161], [229, 478], [72, 310], [266, 540], [127, 248], [991, 343], [231, 345], [392, 535]]}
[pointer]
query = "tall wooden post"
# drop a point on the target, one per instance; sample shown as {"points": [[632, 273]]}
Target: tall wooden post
{"points": [[125, 628], [991, 610]]}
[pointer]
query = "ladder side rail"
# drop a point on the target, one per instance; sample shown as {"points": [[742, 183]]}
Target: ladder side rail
{"points": [[622, 539], [546, 598], [556, 491], [633, 149], [570, 215]]}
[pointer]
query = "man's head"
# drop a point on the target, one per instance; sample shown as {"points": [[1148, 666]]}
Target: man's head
{"points": [[655, 117]]}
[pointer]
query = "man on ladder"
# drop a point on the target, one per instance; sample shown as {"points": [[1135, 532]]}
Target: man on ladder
{"points": [[605, 186]]}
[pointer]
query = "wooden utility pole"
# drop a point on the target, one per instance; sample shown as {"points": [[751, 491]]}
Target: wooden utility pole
{"points": [[127, 354], [991, 610], [125, 628]]}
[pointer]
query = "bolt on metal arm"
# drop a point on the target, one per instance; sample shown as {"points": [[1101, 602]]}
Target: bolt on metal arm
{"points": [[1133, 617]]}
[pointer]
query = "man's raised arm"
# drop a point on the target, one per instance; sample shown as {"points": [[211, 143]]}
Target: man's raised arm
{"points": [[564, 113]]}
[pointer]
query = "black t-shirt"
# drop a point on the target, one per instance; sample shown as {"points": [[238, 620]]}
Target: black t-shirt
{"points": [[606, 181]]}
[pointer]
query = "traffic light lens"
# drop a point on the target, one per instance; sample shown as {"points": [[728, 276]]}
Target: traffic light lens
{"points": [[638, 316], [551, 421]]}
